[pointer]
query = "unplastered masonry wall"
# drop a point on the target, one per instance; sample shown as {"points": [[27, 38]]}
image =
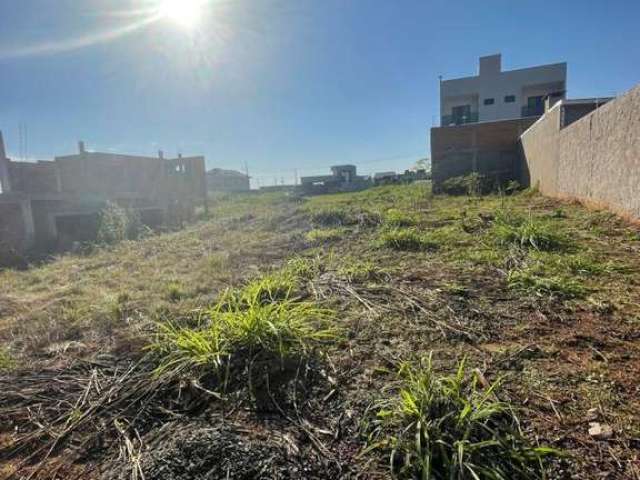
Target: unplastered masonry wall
{"points": [[595, 159]]}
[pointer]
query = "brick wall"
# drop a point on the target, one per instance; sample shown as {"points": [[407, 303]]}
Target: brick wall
{"points": [[490, 148], [596, 159]]}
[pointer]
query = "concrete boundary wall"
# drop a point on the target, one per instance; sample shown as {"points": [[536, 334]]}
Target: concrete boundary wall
{"points": [[595, 160]]}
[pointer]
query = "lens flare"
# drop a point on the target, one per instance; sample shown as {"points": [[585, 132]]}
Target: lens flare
{"points": [[185, 13]]}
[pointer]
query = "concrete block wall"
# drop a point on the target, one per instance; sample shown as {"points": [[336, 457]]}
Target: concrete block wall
{"points": [[596, 159], [540, 152]]}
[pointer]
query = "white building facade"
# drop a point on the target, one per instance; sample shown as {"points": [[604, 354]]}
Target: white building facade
{"points": [[497, 95]]}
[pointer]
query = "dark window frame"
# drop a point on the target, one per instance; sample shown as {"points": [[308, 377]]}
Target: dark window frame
{"points": [[509, 99], [489, 101]]}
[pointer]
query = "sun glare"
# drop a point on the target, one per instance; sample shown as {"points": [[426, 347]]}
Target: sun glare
{"points": [[185, 13]]}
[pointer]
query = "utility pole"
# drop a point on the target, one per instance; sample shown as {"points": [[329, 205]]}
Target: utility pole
{"points": [[295, 176]]}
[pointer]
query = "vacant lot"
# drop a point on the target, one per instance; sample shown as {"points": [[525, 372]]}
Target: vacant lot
{"points": [[386, 332]]}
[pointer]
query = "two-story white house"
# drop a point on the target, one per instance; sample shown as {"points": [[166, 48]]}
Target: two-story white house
{"points": [[497, 95]]}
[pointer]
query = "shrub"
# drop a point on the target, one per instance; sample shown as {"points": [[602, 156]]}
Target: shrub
{"points": [[117, 224], [453, 427], [529, 232], [408, 239], [472, 184]]}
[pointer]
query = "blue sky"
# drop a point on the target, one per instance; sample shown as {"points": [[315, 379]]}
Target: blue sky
{"points": [[282, 84]]}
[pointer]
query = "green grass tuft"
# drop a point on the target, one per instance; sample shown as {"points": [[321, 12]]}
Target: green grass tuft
{"points": [[331, 217], [259, 321], [453, 427], [362, 271], [7, 361], [398, 218], [323, 235], [175, 292], [407, 239], [528, 281], [527, 232], [305, 268]]}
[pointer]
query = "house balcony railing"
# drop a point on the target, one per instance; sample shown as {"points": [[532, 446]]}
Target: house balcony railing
{"points": [[447, 120], [532, 111]]}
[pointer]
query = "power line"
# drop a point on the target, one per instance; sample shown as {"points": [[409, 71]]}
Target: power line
{"points": [[321, 168]]}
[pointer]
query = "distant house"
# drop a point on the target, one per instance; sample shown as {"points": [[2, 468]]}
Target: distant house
{"points": [[343, 178], [49, 205], [221, 180], [495, 94], [383, 178], [483, 119]]}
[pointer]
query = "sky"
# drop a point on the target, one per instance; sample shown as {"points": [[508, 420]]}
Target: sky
{"points": [[283, 87]]}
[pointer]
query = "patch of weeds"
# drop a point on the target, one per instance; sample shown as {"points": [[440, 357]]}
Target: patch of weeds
{"points": [[454, 288], [242, 328], [7, 362], [175, 291], [527, 232], [368, 218], [528, 281], [305, 268], [558, 213], [116, 224], [120, 307], [473, 184], [331, 217], [406, 239], [581, 264], [453, 427], [481, 255], [511, 187], [359, 272], [217, 262], [323, 235], [397, 218], [267, 289]]}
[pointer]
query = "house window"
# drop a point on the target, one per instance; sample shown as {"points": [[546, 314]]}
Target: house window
{"points": [[489, 101], [461, 114], [509, 98]]}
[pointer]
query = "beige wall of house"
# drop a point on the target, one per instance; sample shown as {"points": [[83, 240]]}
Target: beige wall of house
{"points": [[494, 94]]}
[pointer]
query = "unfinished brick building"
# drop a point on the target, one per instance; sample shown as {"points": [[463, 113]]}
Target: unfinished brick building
{"points": [[47, 205]]}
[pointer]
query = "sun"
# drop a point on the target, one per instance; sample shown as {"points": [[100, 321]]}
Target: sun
{"points": [[185, 13]]}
